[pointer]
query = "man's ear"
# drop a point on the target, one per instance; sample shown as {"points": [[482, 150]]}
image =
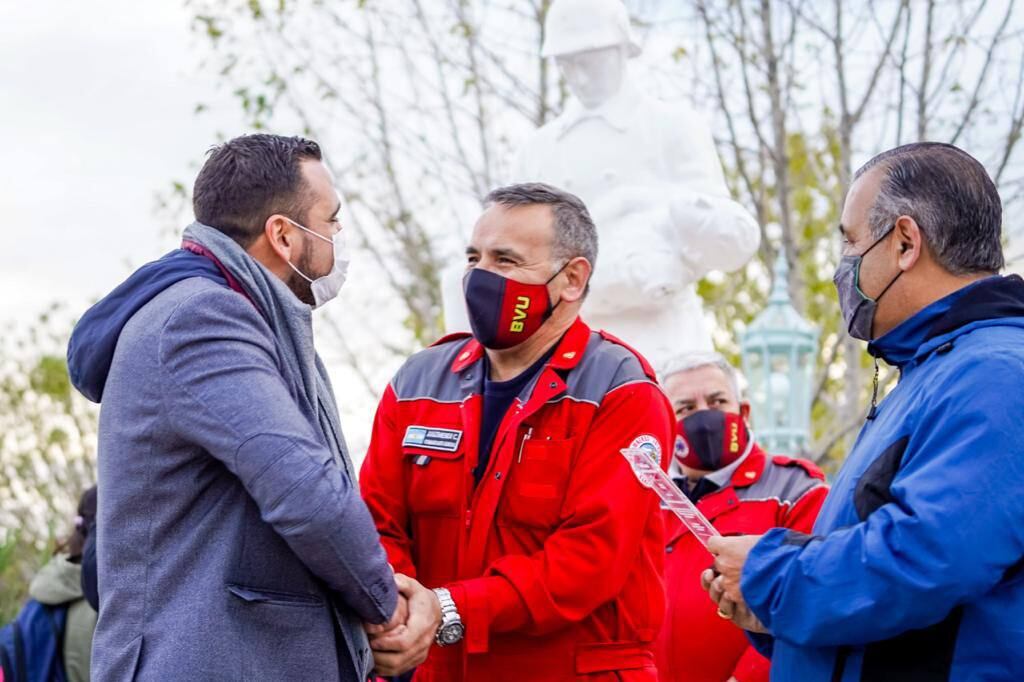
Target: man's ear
{"points": [[577, 273], [745, 411], [908, 241], [280, 236]]}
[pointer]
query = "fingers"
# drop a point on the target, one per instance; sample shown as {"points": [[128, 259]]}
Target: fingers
{"points": [[399, 617], [706, 577], [730, 586], [407, 645], [726, 609], [389, 664], [715, 590], [406, 585], [401, 649], [392, 640], [743, 617]]}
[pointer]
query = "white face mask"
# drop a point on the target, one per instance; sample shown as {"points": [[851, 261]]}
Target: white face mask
{"points": [[327, 287]]}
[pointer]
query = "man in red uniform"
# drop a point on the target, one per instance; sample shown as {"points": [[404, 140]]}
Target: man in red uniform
{"points": [[494, 471], [741, 490]]}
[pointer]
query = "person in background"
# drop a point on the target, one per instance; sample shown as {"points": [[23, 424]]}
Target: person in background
{"points": [[59, 583], [741, 490]]}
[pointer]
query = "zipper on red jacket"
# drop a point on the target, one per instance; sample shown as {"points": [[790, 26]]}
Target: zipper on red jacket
{"points": [[487, 472]]}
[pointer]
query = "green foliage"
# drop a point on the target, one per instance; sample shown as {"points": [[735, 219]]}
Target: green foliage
{"points": [[49, 377], [14, 586], [19, 562]]}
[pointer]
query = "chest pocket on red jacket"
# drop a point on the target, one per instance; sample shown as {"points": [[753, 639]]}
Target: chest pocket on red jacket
{"points": [[537, 484], [436, 479]]}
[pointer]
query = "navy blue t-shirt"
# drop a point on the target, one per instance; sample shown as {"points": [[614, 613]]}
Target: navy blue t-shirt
{"points": [[498, 397]]}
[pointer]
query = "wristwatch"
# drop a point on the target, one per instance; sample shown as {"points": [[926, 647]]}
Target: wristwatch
{"points": [[451, 629]]}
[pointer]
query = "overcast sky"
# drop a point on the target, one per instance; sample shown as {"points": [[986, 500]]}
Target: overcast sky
{"points": [[96, 102]]}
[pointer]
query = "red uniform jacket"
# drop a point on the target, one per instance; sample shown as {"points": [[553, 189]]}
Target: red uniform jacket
{"points": [[696, 645], [555, 558]]}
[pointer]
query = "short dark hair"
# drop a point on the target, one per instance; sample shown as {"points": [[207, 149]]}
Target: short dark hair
{"points": [[575, 234], [250, 178], [84, 524], [950, 195]]}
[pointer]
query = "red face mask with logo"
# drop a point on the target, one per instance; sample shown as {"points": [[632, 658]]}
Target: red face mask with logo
{"points": [[711, 439], [503, 312]]}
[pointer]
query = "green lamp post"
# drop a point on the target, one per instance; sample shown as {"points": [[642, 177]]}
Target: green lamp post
{"points": [[779, 350]]}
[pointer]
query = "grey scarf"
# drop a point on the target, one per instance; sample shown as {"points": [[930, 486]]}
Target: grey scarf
{"points": [[291, 322]]}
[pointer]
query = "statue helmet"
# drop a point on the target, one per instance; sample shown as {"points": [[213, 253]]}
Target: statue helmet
{"points": [[581, 25]]}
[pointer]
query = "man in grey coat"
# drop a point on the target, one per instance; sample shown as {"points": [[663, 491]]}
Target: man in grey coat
{"points": [[232, 541]]}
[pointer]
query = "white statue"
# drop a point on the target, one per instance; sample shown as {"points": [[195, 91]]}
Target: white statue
{"points": [[651, 178]]}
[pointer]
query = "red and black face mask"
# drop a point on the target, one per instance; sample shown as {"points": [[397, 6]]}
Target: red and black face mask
{"points": [[711, 439], [503, 312]]}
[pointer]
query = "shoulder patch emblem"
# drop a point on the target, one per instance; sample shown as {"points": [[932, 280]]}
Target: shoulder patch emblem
{"points": [[646, 441]]}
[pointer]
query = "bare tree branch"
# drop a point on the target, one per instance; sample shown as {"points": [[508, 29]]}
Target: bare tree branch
{"points": [[959, 40], [989, 54], [1016, 122], [475, 80], [902, 69], [449, 109], [926, 69], [882, 59]]}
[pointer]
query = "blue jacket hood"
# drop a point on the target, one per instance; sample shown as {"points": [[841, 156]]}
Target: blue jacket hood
{"points": [[94, 339]]}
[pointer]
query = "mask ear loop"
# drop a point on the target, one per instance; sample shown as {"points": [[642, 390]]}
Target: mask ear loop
{"points": [[889, 286], [751, 438], [558, 272], [551, 311]]}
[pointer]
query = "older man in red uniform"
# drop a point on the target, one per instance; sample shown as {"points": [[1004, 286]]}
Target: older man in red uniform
{"points": [[494, 471], [741, 490]]}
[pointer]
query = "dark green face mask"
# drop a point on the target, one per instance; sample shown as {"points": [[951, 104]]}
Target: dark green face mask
{"points": [[858, 309]]}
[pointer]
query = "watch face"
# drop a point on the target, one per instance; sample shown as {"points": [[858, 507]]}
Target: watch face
{"points": [[452, 633]]}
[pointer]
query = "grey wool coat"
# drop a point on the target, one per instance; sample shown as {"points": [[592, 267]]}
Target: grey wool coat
{"points": [[232, 541]]}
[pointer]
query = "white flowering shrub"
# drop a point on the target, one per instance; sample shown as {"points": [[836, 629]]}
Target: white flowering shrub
{"points": [[47, 450]]}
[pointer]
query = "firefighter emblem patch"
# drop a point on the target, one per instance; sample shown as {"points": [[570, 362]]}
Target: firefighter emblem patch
{"points": [[649, 443]]}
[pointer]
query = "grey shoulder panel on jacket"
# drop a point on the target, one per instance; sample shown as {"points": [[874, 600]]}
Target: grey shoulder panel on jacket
{"points": [[605, 366], [427, 374], [786, 483]]}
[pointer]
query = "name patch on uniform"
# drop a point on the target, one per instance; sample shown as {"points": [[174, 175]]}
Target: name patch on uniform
{"points": [[429, 438]]}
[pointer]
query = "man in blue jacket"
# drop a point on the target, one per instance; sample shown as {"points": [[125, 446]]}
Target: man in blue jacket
{"points": [[913, 570], [232, 542]]}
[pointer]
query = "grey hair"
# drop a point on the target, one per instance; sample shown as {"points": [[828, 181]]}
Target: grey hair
{"points": [[575, 234], [950, 196], [690, 361]]}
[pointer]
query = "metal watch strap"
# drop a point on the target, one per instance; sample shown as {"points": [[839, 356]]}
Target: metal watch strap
{"points": [[449, 612]]}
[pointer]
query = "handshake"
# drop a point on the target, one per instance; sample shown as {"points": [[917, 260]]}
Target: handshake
{"points": [[403, 642]]}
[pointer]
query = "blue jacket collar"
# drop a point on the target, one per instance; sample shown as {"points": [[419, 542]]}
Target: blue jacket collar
{"points": [[984, 302], [900, 345]]}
